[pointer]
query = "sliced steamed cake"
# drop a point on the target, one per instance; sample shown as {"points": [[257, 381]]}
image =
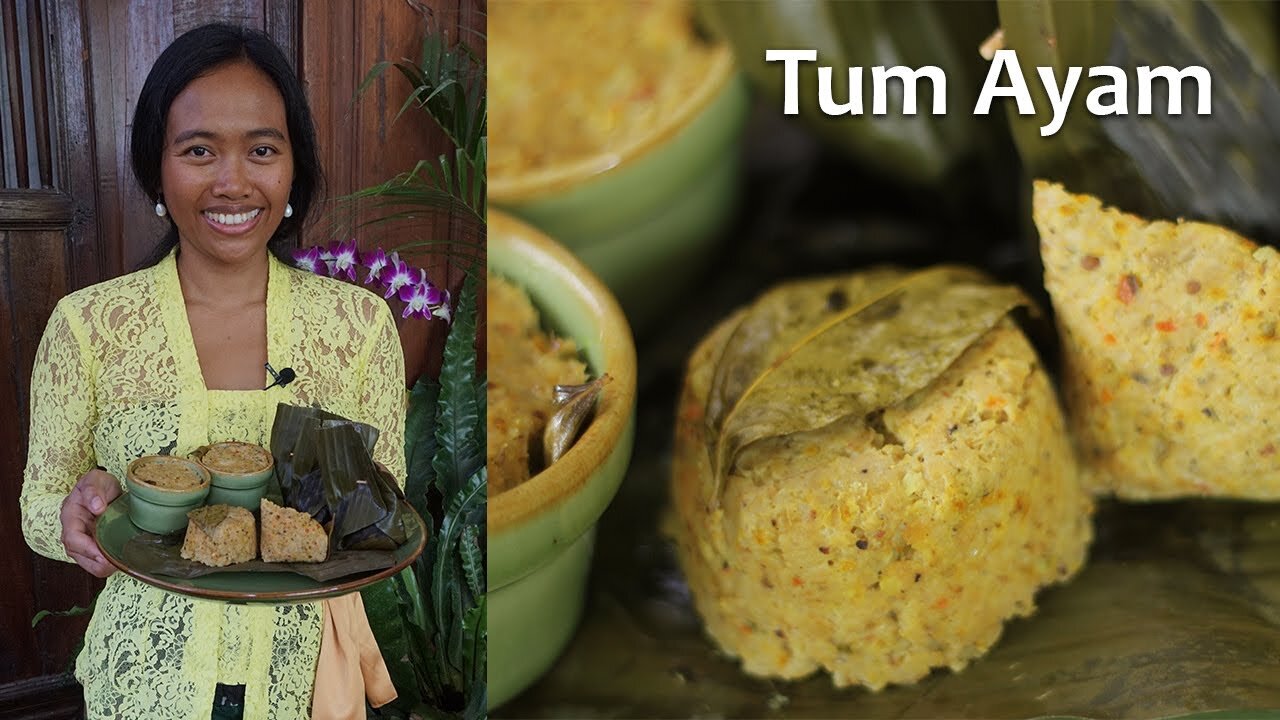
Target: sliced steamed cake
{"points": [[1172, 360]]}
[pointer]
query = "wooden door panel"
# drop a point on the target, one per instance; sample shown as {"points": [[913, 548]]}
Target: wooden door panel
{"points": [[46, 203], [19, 596]]}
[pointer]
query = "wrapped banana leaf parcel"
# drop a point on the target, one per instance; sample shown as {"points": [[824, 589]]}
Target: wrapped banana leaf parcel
{"points": [[325, 467], [871, 476]]}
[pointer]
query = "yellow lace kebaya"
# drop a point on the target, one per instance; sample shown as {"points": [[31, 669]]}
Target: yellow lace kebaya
{"points": [[116, 377]]}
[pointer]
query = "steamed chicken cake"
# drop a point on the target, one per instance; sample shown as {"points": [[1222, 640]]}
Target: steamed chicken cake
{"points": [[1171, 354], [880, 548], [220, 535], [236, 457], [167, 473], [290, 535]]}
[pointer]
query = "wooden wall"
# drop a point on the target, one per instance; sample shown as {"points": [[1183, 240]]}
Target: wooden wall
{"points": [[71, 214]]}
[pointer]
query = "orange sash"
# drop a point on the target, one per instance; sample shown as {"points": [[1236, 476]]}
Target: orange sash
{"points": [[350, 667]]}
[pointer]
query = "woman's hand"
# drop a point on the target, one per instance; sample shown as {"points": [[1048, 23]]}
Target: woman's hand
{"points": [[91, 495]]}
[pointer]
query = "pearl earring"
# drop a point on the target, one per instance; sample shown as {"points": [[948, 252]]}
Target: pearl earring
{"points": [[160, 211], [288, 210]]}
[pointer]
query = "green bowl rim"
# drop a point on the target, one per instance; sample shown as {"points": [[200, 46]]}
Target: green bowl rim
{"points": [[158, 495], [571, 473], [529, 186], [216, 474]]}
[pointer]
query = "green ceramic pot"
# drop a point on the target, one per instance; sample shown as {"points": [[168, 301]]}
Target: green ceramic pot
{"points": [[647, 215], [158, 509], [541, 532], [237, 487]]}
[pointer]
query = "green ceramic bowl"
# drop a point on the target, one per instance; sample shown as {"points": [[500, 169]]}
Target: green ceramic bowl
{"points": [[237, 486], [646, 215], [541, 532], [159, 509]]}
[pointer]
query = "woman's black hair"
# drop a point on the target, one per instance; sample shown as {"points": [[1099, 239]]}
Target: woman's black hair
{"points": [[196, 53]]}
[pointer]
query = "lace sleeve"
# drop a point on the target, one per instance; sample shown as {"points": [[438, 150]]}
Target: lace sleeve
{"points": [[61, 433], [382, 392]]}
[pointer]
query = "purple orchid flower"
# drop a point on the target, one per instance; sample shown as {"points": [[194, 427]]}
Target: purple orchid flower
{"points": [[398, 275], [309, 260], [421, 299], [326, 255], [344, 260], [441, 308], [376, 261]]}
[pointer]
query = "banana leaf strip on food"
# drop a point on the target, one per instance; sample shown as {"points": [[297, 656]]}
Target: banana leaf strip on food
{"points": [[575, 406], [817, 352]]}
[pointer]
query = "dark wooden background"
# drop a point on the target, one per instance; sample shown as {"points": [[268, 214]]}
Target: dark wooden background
{"points": [[71, 215]]}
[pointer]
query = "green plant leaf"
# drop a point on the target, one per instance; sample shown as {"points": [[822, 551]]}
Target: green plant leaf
{"points": [[77, 610], [473, 492], [374, 73], [475, 649], [472, 559], [460, 428], [456, 630], [420, 442], [418, 626]]}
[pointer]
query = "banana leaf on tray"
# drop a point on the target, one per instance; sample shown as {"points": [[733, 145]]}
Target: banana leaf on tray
{"points": [[325, 468]]}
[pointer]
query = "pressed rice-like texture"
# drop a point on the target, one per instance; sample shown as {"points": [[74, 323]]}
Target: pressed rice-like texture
{"points": [[879, 556], [290, 535], [1171, 356], [525, 365], [236, 457], [167, 473], [572, 80], [220, 535]]}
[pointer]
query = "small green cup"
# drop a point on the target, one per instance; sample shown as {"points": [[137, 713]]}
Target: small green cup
{"points": [[242, 486], [159, 509]]}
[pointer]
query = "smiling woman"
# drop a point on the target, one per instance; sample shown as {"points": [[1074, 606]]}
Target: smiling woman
{"points": [[173, 357], [227, 164]]}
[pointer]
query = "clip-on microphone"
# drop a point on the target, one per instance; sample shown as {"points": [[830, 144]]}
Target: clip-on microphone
{"points": [[282, 378]]}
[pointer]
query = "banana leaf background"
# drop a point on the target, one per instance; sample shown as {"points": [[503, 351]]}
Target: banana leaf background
{"points": [[1177, 611]]}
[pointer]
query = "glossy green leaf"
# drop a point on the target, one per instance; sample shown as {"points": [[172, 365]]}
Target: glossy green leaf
{"points": [[475, 651], [420, 442], [472, 493], [460, 427], [1216, 168], [472, 559]]}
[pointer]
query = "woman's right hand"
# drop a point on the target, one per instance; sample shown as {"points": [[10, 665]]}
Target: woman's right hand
{"points": [[81, 508]]}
